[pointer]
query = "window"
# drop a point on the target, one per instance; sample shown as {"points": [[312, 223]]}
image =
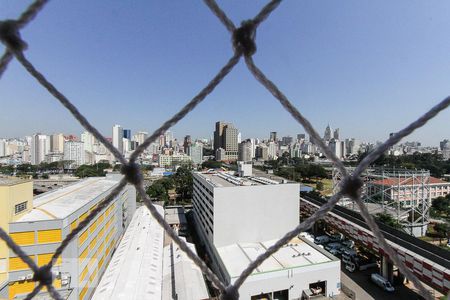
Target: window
{"points": [[20, 207]]}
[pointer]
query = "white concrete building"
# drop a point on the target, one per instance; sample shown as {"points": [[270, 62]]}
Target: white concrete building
{"points": [[117, 138], [240, 218], [57, 143], [40, 146], [250, 201], [74, 151], [89, 141]]}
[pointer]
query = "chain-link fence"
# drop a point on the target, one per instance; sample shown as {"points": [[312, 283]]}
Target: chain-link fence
{"points": [[243, 42]]}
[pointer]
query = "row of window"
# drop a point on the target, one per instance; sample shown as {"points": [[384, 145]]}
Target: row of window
{"points": [[95, 265], [18, 208], [16, 263], [26, 238]]}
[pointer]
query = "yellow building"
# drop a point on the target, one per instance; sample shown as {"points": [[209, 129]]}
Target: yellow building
{"points": [[16, 198], [40, 229]]}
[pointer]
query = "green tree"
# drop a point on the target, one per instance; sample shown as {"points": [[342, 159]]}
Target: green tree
{"points": [[183, 183], [387, 219], [157, 190], [319, 186], [442, 230]]}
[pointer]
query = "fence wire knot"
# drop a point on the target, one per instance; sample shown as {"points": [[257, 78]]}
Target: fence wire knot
{"points": [[352, 186], [230, 293], [10, 35], [244, 38], [44, 275], [132, 173]]}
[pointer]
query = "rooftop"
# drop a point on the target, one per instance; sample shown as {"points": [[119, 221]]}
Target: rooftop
{"points": [[61, 203], [225, 179], [297, 253], [8, 181], [135, 270]]}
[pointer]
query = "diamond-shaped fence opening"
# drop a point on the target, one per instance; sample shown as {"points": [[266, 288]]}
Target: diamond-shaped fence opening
{"points": [[243, 40]]}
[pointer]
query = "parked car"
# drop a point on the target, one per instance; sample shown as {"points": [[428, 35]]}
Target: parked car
{"points": [[348, 243], [382, 282], [337, 237], [322, 239], [333, 248], [349, 255]]}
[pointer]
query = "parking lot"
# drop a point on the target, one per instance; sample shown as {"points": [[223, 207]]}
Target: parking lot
{"points": [[359, 281]]}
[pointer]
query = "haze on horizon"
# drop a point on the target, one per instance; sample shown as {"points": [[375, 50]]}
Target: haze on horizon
{"points": [[366, 68]]}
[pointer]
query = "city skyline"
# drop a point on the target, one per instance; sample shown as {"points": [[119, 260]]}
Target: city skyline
{"points": [[344, 64]]}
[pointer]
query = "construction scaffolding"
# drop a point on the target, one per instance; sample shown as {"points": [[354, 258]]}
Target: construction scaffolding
{"points": [[403, 194]]}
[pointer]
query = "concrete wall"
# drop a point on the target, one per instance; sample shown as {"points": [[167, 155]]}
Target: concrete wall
{"points": [[295, 280], [254, 213]]}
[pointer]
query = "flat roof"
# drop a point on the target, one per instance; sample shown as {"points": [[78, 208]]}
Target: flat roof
{"points": [[295, 254], [175, 215], [60, 203], [135, 270], [8, 181], [225, 179]]}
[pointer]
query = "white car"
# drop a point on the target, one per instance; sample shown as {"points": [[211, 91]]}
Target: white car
{"points": [[382, 282]]}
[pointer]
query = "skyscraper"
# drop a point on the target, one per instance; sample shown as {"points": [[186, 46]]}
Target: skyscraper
{"points": [[89, 140], [336, 134], [127, 134], [186, 144], [226, 137], [327, 135], [273, 136], [245, 151], [57, 143], [40, 146], [74, 152], [117, 139]]}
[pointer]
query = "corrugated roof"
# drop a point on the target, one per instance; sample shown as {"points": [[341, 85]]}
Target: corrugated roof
{"points": [[135, 270]]}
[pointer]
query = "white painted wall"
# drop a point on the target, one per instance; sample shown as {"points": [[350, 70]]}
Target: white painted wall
{"points": [[254, 213], [299, 278]]}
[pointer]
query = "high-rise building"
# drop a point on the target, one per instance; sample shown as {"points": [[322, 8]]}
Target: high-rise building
{"points": [[140, 137], [286, 140], [2, 147], [196, 153], [327, 134], [127, 134], [261, 152], [168, 138], [187, 143], [245, 151], [57, 143], [74, 152], [273, 136], [272, 149], [40, 146], [226, 137], [117, 139], [336, 134], [301, 137], [89, 141]]}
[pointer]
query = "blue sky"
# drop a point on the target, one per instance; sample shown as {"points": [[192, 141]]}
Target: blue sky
{"points": [[367, 67]]}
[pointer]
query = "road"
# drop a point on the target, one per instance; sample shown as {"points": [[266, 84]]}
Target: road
{"points": [[359, 282]]}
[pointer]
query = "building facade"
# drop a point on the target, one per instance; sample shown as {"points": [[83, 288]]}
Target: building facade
{"points": [[41, 227]]}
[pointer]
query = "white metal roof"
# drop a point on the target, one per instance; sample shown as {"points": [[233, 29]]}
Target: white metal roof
{"points": [[181, 276], [297, 253], [135, 270], [61, 203]]}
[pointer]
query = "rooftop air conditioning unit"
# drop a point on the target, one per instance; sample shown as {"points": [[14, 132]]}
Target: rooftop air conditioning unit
{"points": [[29, 276]]}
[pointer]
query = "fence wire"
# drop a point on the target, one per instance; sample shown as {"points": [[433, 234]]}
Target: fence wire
{"points": [[243, 42]]}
